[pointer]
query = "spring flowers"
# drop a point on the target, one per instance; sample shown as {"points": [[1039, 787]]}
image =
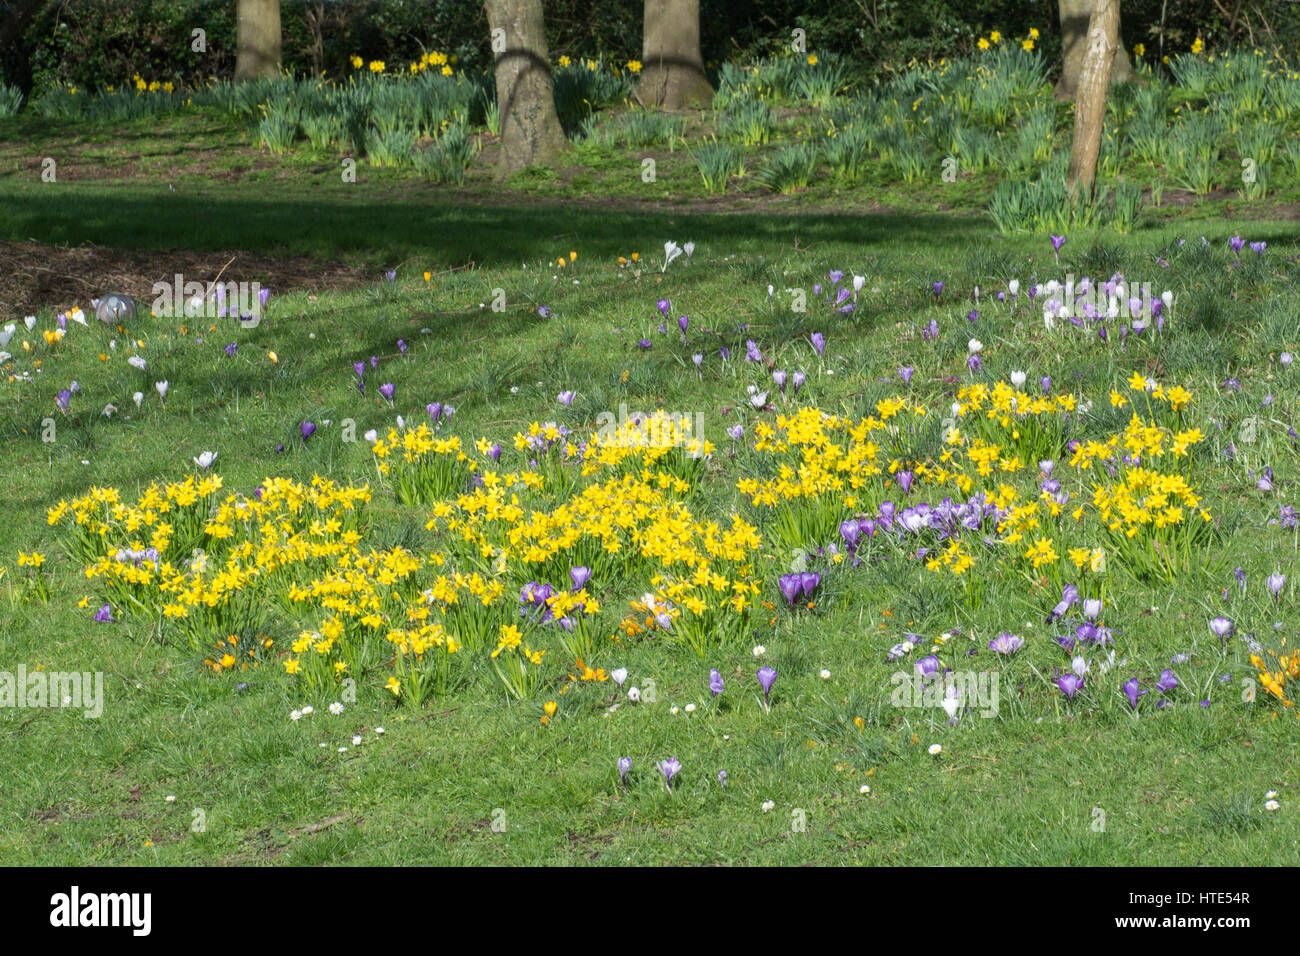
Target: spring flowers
{"points": [[669, 768], [766, 678]]}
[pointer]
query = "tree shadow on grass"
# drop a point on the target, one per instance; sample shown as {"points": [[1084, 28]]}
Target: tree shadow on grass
{"points": [[386, 229]]}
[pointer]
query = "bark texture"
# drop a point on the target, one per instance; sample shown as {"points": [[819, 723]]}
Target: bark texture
{"points": [[531, 134], [672, 69], [257, 39], [1075, 17], [1090, 100]]}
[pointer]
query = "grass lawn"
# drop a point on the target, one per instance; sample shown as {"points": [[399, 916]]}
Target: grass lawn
{"points": [[472, 775]]}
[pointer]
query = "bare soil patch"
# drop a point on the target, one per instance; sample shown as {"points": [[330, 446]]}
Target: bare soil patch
{"points": [[37, 275]]}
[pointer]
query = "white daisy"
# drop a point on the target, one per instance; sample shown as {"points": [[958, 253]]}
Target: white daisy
{"points": [[935, 749], [336, 708]]}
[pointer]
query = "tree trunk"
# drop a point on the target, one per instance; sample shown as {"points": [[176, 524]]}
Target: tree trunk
{"points": [[257, 39], [672, 69], [1090, 101], [1075, 16], [530, 129]]}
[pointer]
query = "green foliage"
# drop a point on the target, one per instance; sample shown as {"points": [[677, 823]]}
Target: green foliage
{"points": [[717, 163], [789, 168]]}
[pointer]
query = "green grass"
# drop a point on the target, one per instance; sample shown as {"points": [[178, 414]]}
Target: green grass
{"points": [[1181, 786]]}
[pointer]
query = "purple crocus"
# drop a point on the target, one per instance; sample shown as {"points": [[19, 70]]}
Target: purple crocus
{"points": [[1222, 627], [1276, 582], [1167, 681], [230, 349], [905, 373], [716, 684], [928, 665], [105, 615], [63, 399], [937, 288], [387, 390], [905, 479], [579, 576], [808, 582], [624, 765], [1006, 644], [850, 531], [308, 429], [722, 779], [643, 344], [766, 678], [435, 410], [669, 768], [1070, 684], [724, 353], [683, 322], [1236, 242], [1131, 692], [790, 586], [778, 377], [544, 311], [263, 295], [818, 342], [565, 398], [663, 305], [752, 353], [1057, 242]]}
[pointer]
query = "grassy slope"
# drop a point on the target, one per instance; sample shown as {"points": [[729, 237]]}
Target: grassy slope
{"points": [[1182, 786]]}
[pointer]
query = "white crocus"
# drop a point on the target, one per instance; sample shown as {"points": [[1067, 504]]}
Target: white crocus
{"points": [[671, 251], [206, 459], [138, 397]]}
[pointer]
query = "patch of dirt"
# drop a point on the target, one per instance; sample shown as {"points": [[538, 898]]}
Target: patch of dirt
{"points": [[38, 275]]}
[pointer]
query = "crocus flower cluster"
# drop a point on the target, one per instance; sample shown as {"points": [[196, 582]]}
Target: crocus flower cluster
{"points": [[799, 586]]}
